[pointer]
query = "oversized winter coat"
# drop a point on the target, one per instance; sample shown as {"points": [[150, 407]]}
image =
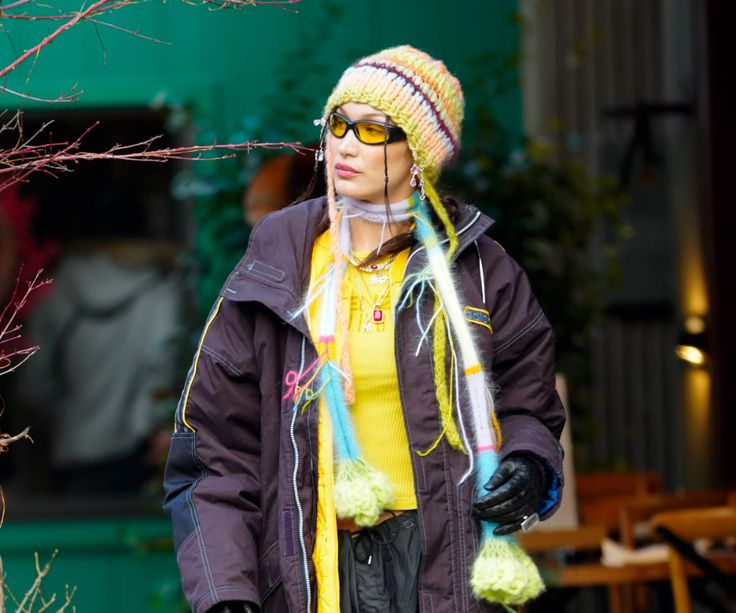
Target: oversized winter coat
{"points": [[241, 474]]}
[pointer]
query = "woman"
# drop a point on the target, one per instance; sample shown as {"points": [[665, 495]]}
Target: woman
{"points": [[337, 446]]}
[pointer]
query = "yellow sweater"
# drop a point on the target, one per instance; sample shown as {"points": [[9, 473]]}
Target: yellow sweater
{"points": [[377, 413]]}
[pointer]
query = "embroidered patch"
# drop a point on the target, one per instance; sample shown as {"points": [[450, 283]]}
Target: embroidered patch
{"points": [[478, 316]]}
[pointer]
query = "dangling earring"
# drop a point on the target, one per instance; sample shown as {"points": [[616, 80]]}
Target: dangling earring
{"points": [[417, 176], [418, 171], [319, 155]]}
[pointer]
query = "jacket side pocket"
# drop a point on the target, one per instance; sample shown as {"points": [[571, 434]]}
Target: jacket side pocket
{"points": [[270, 578]]}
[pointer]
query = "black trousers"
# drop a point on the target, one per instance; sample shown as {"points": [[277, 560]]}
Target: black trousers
{"points": [[379, 567]]}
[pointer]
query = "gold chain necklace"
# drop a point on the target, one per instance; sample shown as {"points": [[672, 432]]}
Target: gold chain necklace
{"points": [[372, 311]]}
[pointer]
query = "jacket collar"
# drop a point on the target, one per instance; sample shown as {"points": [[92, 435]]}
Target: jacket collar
{"points": [[275, 268]]}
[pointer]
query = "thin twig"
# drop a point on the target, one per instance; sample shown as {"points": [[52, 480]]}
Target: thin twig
{"points": [[9, 330], [31, 286], [94, 9], [27, 355], [240, 4], [6, 440], [20, 163], [135, 33], [13, 5], [2, 572], [68, 596], [32, 592], [72, 97]]}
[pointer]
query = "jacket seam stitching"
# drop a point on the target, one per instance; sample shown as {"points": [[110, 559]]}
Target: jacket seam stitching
{"points": [[220, 359], [241, 588], [463, 548], [264, 273], [195, 519], [453, 538], [268, 551], [519, 334], [226, 588]]}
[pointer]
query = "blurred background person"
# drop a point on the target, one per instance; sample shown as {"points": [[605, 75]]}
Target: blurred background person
{"points": [[107, 361]]}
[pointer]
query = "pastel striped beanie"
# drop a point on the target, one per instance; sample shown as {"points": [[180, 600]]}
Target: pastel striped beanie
{"points": [[420, 95]]}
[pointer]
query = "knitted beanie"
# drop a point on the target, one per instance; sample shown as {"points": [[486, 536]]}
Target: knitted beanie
{"points": [[417, 92]]}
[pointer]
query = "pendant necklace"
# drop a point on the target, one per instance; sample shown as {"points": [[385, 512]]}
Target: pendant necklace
{"points": [[373, 310]]}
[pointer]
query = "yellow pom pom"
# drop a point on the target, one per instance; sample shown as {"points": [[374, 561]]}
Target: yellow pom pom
{"points": [[361, 492], [505, 574]]}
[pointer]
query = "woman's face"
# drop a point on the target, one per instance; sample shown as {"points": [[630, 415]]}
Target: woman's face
{"points": [[359, 168]]}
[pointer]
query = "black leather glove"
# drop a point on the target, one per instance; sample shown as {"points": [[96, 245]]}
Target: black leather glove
{"points": [[234, 606], [516, 492]]}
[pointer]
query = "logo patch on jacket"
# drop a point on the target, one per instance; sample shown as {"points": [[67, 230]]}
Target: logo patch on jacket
{"points": [[478, 316]]}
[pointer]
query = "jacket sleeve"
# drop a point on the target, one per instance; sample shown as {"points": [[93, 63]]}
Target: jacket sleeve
{"points": [[212, 474], [528, 408]]}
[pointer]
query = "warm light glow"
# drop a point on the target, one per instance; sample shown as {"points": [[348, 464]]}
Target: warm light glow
{"points": [[694, 324], [691, 267], [697, 423], [690, 354]]}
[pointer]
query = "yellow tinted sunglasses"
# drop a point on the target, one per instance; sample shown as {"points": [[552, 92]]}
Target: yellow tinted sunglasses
{"points": [[366, 131]]}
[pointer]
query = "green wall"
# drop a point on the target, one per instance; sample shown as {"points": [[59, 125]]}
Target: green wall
{"points": [[227, 62], [116, 565]]}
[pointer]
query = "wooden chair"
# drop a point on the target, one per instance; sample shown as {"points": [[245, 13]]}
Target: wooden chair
{"points": [[636, 511], [604, 484], [558, 574], [584, 538], [690, 524], [601, 494], [629, 504], [599, 497]]}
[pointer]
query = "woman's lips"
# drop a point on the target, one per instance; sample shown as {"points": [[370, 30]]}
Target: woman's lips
{"points": [[344, 171]]}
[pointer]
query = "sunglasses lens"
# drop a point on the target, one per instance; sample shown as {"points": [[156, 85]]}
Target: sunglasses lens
{"points": [[338, 126], [371, 133]]}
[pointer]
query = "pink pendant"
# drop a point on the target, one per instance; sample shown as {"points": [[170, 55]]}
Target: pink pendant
{"points": [[378, 316]]}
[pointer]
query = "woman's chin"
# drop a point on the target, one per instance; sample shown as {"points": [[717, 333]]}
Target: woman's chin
{"points": [[348, 189], [357, 190]]}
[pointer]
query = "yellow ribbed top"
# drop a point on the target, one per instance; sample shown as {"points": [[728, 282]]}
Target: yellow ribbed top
{"points": [[377, 415]]}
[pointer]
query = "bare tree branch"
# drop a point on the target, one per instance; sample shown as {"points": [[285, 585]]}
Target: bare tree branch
{"points": [[6, 440], [28, 156], [70, 96], [93, 11], [240, 4], [9, 330], [97, 8], [13, 5], [26, 605]]}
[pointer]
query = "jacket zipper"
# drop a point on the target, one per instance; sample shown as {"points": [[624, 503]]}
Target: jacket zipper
{"points": [[295, 486]]}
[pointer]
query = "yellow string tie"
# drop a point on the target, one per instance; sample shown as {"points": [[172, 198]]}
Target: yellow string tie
{"points": [[472, 370]]}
